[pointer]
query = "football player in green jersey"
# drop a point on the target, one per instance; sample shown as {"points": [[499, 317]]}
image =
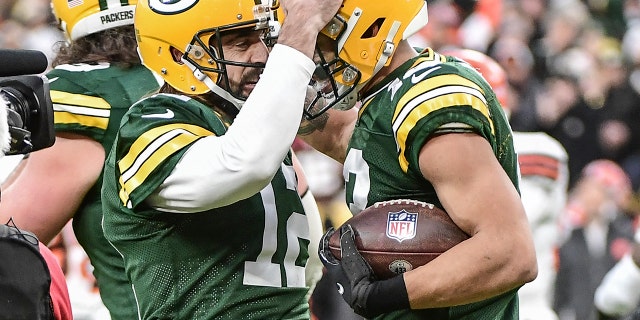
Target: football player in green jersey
{"points": [[97, 76], [199, 193], [428, 128]]}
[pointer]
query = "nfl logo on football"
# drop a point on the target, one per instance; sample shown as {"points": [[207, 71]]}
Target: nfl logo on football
{"points": [[401, 225]]}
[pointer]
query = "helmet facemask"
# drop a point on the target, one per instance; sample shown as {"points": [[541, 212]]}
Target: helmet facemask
{"points": [[328, 93], [205, 55], [194, 59], [334, 81]]}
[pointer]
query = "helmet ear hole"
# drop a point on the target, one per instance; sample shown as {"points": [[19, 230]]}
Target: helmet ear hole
{"points": [[176, 54], [373, 29], [367, 32]]}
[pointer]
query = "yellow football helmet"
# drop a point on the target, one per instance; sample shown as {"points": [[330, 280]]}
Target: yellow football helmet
{"points": [[366, 34], [79, 18], [194, 28]]}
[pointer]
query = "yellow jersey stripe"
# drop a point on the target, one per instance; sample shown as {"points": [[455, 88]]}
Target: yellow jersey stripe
{"points": [[431, 84], [150, 149], [76, 99], [73, 108], [136, 175], [418, 109], [62, 117], [145, 143]]}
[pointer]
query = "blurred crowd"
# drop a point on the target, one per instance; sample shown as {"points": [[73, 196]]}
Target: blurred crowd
{"points": [[574, 70], [574, 67], [28, 24]]}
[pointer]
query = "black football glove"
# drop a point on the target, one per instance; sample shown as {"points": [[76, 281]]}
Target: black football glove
{"points": [[355, 280]]}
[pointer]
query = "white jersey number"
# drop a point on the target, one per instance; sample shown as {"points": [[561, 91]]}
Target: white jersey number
{"points": [[356, 177], [263, 272]]}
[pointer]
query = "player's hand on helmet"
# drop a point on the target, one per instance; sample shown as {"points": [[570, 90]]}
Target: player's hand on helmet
{"points": [[317, 13], [355, 280], [304, 20]]}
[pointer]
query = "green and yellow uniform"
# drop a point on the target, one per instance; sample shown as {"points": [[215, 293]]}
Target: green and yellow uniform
{"points": [[90, 100], [241, 261], [427, 95]]}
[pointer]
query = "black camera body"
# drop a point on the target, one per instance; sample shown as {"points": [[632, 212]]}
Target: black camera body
{"points": [[29, 106]]}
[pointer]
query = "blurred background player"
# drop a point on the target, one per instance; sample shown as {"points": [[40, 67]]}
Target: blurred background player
{"points": [[618, 295], [200, 194], [97, 76], [543, 188], [597, 232]]}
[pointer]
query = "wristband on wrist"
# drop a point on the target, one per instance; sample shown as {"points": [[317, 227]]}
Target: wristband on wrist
{"points": [[388, 295]]}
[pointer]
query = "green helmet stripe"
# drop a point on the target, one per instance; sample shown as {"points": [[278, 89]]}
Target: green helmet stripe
{"points": [[106, 4]]}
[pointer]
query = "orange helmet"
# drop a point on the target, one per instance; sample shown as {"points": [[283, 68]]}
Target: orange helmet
{"points": [[490, 70], [610, 175]]}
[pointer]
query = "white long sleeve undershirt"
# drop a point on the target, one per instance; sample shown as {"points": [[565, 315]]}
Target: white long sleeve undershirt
{"points": [[219, 170]]}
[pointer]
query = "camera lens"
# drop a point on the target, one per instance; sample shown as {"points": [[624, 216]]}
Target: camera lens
{"points": [[17, 103]]}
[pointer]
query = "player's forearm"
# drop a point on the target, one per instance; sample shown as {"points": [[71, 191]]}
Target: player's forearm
{"points": [[476, 269], [330, 132], [303, 22], [58, 179], [481, 199]]}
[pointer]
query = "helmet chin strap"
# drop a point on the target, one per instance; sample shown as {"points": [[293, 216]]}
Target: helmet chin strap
{"points": [[389, 47], [350, 100], [202, 77]]}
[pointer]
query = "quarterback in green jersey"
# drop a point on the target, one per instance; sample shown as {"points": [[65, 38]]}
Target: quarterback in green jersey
{"points": [[96, 78], [428, 128], [199, 195]]}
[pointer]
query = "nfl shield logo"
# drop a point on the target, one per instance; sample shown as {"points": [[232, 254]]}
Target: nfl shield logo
{"points": [[401, 225]]}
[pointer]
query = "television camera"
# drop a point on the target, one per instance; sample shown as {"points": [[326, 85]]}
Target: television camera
{"points": [[28, 103]]}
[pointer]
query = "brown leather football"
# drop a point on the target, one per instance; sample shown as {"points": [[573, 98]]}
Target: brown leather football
{"points": [[400, 235]]}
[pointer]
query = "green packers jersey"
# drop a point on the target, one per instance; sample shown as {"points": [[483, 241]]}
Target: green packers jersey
{"points": [[431, 93], [241, 261], [90, 100]]}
